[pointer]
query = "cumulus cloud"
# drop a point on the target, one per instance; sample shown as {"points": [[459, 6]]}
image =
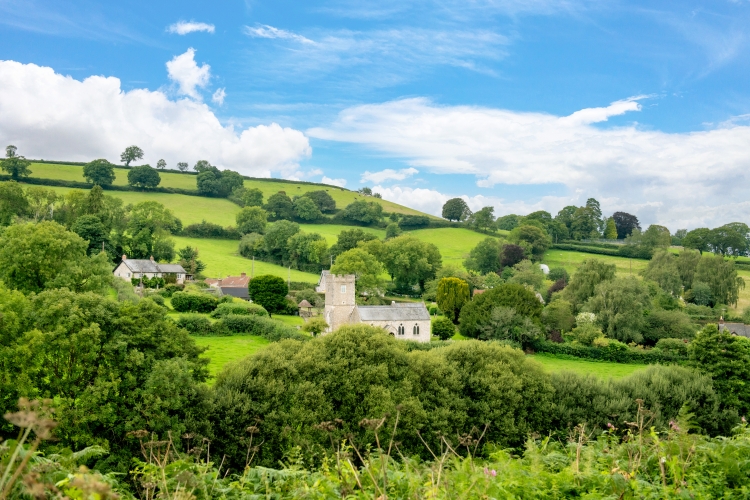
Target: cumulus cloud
{"points": [[185, 72], [265, 31], [218, 96], [679, 179], [388, 174], [333, 182], [185, 27], [58, 117]]}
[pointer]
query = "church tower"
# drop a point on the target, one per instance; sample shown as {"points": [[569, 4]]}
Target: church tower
{"points": [[340, 300]]}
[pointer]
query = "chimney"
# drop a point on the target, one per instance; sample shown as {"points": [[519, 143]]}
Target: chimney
{"points": [[152, 258], [721, 320], [124, 257]]}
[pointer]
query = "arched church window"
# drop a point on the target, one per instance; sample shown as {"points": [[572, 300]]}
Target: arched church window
{"points": [[401, 329], [416, 329]]}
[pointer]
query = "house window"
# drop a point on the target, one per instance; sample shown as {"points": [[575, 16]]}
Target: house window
{"points": [[343, 288], [128, 275], [415, 330]]}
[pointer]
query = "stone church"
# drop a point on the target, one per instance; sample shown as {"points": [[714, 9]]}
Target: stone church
{"points": [[406, 321]]}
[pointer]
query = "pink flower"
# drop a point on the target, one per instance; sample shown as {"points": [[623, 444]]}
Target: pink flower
{"points": [[488, 472], [674, 425], [610, 426]]}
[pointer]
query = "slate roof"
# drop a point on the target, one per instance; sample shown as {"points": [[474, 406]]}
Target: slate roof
{"points": [[149, 266], [394, 312], [736, 328], [236, 291]]}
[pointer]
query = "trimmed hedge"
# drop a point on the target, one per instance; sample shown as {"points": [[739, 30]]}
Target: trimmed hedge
{"points": [[593, 244], [614, 353], [262, 326], [193, 302], [239, 308], [197, 324], [210, 230], [586, 249]]}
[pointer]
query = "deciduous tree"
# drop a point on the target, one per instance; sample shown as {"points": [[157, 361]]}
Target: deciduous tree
{"points": [[485, 257], [456, 209], [251, 220], [144, 177], [364, 266], [17, 166], [410, 261], [531, 238], [279, 206], [99, 172], [586, 278], [131, 154], [325, 202], [619, 305], [625, 224], [306, 209]]}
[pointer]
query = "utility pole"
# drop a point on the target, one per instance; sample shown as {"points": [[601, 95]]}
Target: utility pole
{"points": [[252, 269], [289, 278]]}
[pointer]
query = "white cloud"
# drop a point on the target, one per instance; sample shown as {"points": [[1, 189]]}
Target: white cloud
{"points": [[333, 182], [184, 71], [218, 96], [678, 179], [185, 27], [58, 117], [265, 31], [388, 174]]}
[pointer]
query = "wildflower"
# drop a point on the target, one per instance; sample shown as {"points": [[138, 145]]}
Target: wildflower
{"points": [[490, 472], [674, 426], [610, 426]]}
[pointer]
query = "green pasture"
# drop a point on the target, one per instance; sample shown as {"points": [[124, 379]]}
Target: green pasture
{"points": [[221, 259], [341, 196], [454, 243], [599, 369], [572, 260], [222, 350]]}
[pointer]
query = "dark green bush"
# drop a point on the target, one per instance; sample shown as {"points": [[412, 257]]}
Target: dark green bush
{"points": [[558, 273], [677, 346], [158, 299], [662, 324], [193, 302], [170, 289], [614, 353], [241, 308], [197, 324], [477, 313], [410, 222], [262, 326], [443, 328], [210, 230], [663, 389], [359, 373]]}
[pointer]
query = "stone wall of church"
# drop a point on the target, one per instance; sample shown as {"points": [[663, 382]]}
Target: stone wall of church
{"points": [[340, 300]]}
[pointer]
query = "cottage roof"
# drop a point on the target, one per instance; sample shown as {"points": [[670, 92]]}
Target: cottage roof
{"points": [[395, 312], [149, 266], [736, 328], [235, 281], [304, 304]]}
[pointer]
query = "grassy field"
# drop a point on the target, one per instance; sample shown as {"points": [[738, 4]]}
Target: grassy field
{"points": [[222, 350], [572, 260], [585, 367], [454, 243], [222, 260], [342, 196]]}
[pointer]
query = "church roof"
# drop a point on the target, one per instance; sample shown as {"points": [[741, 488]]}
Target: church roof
{"points": [[394, 312], [736, 328]]}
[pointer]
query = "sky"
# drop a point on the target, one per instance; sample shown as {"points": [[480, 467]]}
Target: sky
{"points": [[522, 105]]}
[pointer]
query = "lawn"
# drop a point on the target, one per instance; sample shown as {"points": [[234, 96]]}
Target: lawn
{"points": [[599, 369], [221, 259], [222, 350]]}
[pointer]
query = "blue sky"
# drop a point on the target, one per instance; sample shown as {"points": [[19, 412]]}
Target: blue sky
{"points": [[421, 99]]}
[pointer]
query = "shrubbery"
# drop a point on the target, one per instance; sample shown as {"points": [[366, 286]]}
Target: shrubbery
{"points": [[241, 308], [262, 326], [193, 302], [197, 324], [443, 328], [477, 313], [615, 352]]}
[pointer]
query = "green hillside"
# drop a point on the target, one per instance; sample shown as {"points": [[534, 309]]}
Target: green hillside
{"points": [[341, 196]]}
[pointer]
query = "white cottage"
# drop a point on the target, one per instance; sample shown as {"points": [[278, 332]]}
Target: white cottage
{"points": [[149, 268], [406, 321]]}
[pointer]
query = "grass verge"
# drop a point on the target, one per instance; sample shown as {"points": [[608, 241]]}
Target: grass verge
{"points": [[601, 369]]}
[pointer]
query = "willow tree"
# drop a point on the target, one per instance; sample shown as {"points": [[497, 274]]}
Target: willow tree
{"points": [[452, 294]]}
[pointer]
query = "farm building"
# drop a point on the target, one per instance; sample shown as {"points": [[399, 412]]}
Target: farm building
{"points": [[149, 268]]}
